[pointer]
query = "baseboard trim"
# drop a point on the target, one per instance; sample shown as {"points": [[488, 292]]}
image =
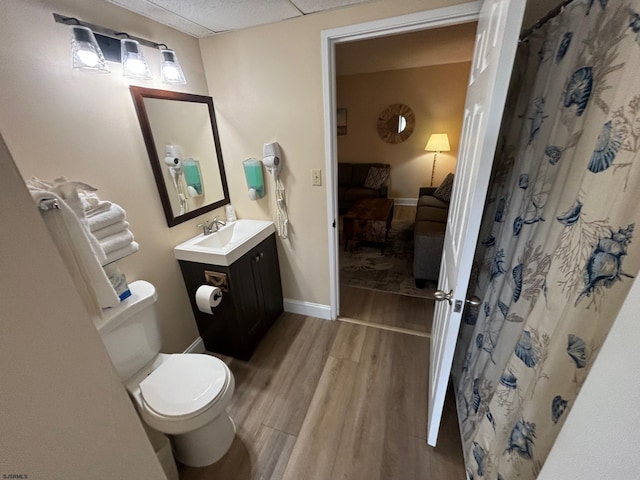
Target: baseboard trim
{"points": [[196, 347], [292, 306], [307, 308], [410, 202]]}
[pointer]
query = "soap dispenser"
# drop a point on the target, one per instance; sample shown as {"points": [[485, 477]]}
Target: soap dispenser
{"points": [[255, 180]]}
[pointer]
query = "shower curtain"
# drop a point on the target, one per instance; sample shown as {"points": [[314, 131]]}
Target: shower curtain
{"points": [[557, 248]]}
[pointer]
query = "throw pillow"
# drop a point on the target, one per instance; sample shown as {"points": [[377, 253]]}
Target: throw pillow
{"points": [[376, 177], [443, 192]]}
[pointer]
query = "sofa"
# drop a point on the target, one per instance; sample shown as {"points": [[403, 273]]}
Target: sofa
{"points": [[428, 233], [361, 180]]}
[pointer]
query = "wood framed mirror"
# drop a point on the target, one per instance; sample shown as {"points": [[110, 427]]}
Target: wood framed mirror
{"points": [[396, 123], [187, 122]]}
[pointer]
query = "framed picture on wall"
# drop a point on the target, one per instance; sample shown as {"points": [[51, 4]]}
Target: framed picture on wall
{"points": [[341, 122]]}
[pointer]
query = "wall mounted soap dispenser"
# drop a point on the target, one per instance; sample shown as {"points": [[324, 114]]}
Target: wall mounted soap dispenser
{"points": [[193, 177], [255, 180]]}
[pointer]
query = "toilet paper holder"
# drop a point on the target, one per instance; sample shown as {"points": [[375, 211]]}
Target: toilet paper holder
{"points": [[217, 279]]}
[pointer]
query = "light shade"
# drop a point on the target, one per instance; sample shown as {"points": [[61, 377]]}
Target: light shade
{"points": [[134, 65], [85, 51], [171, 71], [438, 142]]}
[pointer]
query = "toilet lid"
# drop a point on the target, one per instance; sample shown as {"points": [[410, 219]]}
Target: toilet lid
{"points": [[184, 384]]}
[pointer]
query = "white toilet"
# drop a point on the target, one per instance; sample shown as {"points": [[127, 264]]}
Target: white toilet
{"points": [[182, 395]]}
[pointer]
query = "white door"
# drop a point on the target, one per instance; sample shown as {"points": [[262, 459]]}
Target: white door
{"points": [[496, 40]]}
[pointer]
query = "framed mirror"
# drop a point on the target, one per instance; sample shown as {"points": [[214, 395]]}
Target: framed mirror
{"points": [[396, 123], [181, 137]]}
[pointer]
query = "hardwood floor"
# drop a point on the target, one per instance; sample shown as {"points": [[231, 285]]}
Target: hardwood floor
{"points": [[385, 309], [334, 400]]}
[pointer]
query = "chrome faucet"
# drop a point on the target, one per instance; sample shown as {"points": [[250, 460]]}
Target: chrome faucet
{"points": [[213, 226]]}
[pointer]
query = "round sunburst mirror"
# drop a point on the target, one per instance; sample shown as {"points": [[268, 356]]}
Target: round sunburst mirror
{"points": [[396, 123]]}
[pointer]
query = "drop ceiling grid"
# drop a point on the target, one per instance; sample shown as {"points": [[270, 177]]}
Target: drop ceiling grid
{"points": [[202, 18]]}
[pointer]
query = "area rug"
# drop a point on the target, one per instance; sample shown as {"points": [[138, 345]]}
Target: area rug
{"points": [[363, 265]]}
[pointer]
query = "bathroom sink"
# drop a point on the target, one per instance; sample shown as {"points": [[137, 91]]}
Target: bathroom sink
{"points": [[227, 244]]}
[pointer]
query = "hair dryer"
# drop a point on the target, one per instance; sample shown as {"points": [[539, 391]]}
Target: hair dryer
{"points": [[271, 158]]}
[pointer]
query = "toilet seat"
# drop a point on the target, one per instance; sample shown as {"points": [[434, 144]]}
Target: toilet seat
{"points": [[184, 385]]}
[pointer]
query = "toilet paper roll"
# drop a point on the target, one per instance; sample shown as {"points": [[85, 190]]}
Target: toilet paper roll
{"points": [[207, 298]]}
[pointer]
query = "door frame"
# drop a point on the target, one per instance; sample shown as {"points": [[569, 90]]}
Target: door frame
{"points": [[439, 17]]}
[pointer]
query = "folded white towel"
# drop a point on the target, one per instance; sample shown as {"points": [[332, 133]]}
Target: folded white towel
{"points": [[111, 229], [130, 249], [70, 193], [108, 217], [92, 204], [116, 242], [72, 241], [102, 206]]}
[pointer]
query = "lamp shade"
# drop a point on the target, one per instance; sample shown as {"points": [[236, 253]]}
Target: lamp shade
{"points": [[85, 51], [438, 142], [171, 71], [134, 65]]}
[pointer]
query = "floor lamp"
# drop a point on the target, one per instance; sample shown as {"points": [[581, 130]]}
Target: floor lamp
{"points": [[438, 142]]}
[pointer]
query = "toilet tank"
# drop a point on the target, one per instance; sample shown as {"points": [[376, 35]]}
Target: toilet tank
{"points": [[130, 330]]}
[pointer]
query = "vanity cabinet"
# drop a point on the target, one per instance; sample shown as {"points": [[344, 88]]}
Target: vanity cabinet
{"points": [[252, 302]]}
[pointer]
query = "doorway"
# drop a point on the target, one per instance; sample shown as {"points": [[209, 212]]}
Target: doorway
{"points": [[432, 19]]}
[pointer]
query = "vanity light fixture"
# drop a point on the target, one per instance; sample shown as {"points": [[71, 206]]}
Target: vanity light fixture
{"points": [[86, 54], [92, 45]]}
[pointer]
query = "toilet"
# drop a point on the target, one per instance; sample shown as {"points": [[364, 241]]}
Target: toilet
{"points": [[182, 395]]}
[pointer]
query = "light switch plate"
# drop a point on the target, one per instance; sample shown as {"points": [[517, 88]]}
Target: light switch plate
{"points": [[316, 178]]}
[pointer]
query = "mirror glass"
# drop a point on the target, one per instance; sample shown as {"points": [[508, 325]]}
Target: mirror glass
{"points": [[182, 126], [396, 123]]}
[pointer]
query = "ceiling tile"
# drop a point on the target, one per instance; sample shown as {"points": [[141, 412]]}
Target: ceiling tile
{"points": [[223, 15], [312, 6], [166, 17], [202, 18]]}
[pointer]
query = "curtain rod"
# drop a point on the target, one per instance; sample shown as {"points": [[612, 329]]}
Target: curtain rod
{"points": [[551, 14]]}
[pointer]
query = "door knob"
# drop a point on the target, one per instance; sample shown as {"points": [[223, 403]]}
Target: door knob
{"points": [[474, 301], [440, 295]]}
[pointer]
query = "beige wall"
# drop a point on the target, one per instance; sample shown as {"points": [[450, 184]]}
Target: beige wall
{"points": [[83, 125], [423, 48], [435, 94], [63, 410], [267, 85]]}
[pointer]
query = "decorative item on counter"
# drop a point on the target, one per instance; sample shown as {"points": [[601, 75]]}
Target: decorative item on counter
{"points": [[230, 213], [255, 181]]}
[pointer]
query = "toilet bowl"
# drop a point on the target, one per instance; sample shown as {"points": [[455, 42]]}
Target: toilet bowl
{"points": [[185, 396], [182, 395]]}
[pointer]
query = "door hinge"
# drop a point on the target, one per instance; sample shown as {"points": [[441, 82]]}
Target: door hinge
{"points": [[334, 223]]}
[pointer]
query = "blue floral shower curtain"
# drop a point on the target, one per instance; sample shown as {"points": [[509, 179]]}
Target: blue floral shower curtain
{"points": [[557, 246]]}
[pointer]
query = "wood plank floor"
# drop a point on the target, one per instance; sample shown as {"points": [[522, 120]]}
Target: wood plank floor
{"points": [[385, 309], [334, 400]]}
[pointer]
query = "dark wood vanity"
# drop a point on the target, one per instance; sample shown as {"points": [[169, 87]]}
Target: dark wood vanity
{"points": [[252, 302]]}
